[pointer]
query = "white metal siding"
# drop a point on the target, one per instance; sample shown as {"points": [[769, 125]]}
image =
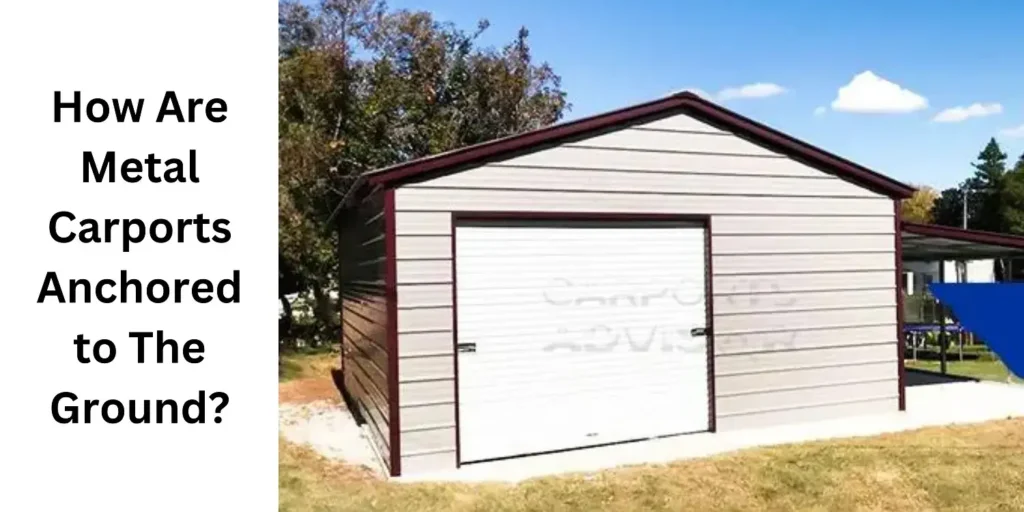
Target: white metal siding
{"points": [[785, 237], [411, 198]]}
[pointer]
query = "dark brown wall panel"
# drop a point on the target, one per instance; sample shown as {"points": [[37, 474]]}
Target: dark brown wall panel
{"points": [[365, 317]]}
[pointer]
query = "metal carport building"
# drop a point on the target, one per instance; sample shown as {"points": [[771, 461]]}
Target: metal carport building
{"points": [[668, 268]]}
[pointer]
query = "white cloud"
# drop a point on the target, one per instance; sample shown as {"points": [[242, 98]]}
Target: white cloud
{"points": [[870, 93], [820, 111], [1017, 133], [957, 114], [758, 90]]}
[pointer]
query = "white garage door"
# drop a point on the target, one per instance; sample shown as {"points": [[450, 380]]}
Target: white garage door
{"points": [[578, 333]]}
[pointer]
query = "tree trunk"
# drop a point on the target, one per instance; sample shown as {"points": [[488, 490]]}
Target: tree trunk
{"points": [[284, 324], [324, 311]]}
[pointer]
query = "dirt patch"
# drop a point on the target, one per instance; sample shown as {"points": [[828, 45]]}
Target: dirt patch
{"points": [[308, 390]]}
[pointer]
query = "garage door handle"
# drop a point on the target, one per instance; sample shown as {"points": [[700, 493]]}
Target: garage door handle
{"points": [[466, 347], [698, 331]]}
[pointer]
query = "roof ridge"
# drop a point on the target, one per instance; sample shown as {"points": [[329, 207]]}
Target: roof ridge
{"points": [[683, 101]]}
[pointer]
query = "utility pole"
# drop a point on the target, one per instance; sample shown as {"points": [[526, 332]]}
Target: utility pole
{"points": [[943, 338], [962, 265]]}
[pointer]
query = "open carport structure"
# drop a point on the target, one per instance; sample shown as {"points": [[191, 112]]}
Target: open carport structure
{"points": [[936, 244], [929, 242]]}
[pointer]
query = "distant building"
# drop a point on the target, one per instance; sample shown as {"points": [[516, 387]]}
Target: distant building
{"points": [[918, 274]]}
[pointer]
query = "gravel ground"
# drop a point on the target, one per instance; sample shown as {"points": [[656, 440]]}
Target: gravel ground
{"points": [[329, 429]]}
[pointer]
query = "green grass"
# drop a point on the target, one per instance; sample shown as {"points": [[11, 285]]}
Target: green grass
{"points": [[306, 364], [984, 370], [977, 467]]}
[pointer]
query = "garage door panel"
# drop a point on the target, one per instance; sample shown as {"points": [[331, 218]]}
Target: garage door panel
{"points": [[558, 422], [595, 371], [597, 289], [581, 335], [579, 324], [561, 266], [566, 249]]}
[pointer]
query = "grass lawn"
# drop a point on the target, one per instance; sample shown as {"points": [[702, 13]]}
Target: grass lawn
{"points": [[949, 468], [979, 467], [984, 370]]}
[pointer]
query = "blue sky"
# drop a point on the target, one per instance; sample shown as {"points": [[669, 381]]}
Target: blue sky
{"points": [[924, 57]]}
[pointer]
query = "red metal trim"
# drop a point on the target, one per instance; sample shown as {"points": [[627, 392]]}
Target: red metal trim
{"points": [[704, 220], [391, 297], [963, 235], [576, 216], [899, 306], [455, 346], [683, 102], [709, 311]]}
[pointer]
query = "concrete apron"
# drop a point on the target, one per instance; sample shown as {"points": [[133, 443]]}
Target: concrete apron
{"points": [[930, 405]]}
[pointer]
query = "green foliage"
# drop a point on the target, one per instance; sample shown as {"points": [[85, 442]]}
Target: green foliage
{"points": [[1013, 198], [361, 87], [921, 308], [918, 208], [986, 194], [995, 198]]}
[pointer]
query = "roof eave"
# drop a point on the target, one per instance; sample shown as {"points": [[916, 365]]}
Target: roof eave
{"points": [[965, 235]]}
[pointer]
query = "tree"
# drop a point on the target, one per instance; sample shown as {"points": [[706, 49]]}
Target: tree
{"points": [[987, 186], [1013, 198], [948, 207], [985, 194], [995, 200], [918, 207], [362, 87]]}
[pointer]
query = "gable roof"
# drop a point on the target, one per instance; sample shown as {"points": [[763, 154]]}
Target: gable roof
{"points": [[685, 102]]}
